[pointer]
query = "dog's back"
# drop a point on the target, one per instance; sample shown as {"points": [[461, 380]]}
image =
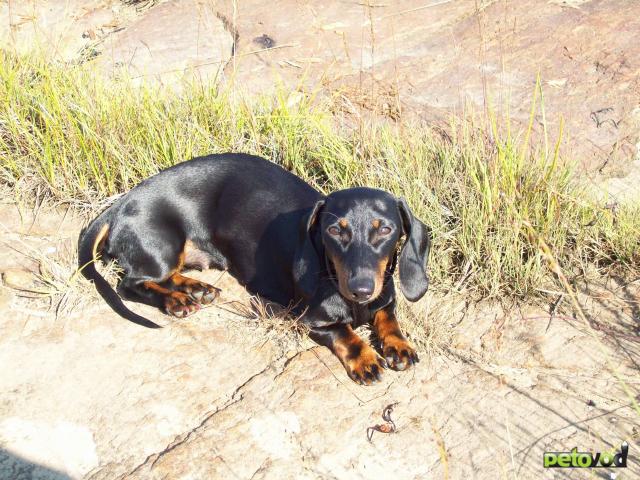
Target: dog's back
{"points": [[239, 210]]}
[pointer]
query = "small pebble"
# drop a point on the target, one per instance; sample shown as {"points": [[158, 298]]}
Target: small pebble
{"points": [[18, 279]]}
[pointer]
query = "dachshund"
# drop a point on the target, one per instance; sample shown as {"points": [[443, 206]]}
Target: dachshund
{"points": [[330, 258]]}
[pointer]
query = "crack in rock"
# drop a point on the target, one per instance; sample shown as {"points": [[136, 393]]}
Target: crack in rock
{"points": [[185, 437]]}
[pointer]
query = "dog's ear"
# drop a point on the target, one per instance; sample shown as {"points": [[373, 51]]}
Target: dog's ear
{"points": [[414, 280], [306, 261]]}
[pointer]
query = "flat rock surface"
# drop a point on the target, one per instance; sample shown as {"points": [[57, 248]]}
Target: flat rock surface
{"points": [[171, 39], [409, 59], [61, 30], [227, 394]]}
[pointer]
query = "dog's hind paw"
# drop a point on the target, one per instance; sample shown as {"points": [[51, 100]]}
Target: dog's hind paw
{"points": [[180, 305], [200, 292], [203, 293]]}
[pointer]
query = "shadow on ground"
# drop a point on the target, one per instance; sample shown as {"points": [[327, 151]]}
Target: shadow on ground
{"points": [[14, 467]]}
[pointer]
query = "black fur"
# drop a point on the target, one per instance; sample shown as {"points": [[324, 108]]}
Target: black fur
{"points": [[414, 280], [273, 232]]}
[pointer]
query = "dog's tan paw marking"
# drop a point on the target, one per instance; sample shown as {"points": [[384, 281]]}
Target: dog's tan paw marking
{"points": [[398, 353], [364, 366], [181, 305]]}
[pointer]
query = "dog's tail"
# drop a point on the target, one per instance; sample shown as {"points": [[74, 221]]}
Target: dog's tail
{"points": [[89, 246]]}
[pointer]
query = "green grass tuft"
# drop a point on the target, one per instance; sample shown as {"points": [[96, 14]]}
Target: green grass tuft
{"points": [[84, 138]]}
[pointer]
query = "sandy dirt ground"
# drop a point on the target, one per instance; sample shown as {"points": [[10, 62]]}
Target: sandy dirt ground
{"points": [[227, 394]]}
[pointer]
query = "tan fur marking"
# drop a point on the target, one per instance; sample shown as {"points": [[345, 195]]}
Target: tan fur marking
{"points": [[342, 275], [343, 346], [194, 257], [379, 280], [170, 295], [98, 243], [399, 354], [181, 281], [154, 287], [363, 363], [386, 326], [397, 343], [376, 223], [180, 265], [343, 223]]}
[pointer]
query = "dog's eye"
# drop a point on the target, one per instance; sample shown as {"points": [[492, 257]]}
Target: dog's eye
{"points": [[335, 231], [384, 230]]}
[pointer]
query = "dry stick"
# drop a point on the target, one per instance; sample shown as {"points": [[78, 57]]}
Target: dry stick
{"points": [[513, 463], [534, 238], [415, 9], [373, 45], [442, 450]]}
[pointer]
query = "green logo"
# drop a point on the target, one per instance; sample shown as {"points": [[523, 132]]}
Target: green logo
{"points": [[576, 459]]}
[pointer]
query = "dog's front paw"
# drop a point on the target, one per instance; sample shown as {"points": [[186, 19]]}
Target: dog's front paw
{"points": [[398, 353], [366, 368]]}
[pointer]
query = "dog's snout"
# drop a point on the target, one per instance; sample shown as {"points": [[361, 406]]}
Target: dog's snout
{"points": [[361, 289]]}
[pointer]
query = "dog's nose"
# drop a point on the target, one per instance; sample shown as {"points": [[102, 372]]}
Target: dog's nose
{"points": [[361, 289]]}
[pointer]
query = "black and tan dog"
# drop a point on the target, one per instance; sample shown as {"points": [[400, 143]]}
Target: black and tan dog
{"points": [[332, 257]]}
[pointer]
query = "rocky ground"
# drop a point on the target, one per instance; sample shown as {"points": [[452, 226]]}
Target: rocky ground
{"points": [[84, 394]]}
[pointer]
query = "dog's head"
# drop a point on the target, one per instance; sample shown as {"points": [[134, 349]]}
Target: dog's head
{"points": [[356, 232]]}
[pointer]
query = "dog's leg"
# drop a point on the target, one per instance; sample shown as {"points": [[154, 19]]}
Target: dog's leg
{"points": [[159, 294], [150, 268], [398, 353], [200, 292], [361, 361], [178, 304]]}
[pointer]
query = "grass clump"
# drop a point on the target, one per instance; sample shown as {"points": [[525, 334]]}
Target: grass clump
{"points": [[84, 138]]}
